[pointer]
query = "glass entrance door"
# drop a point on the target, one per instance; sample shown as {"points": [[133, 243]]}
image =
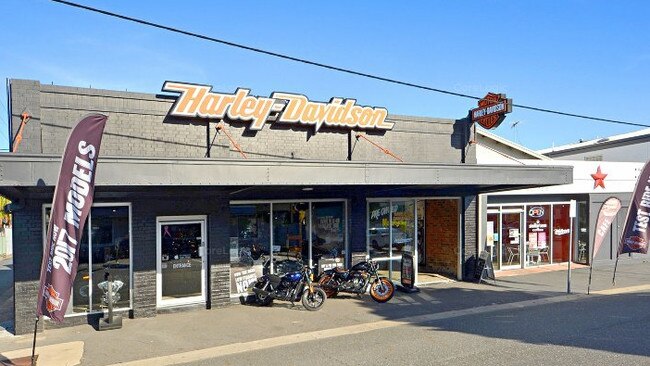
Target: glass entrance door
{"points": [[512, 251], [181, 260]]}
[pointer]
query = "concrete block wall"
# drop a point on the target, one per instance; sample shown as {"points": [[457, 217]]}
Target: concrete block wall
{"points": [[469, 244], [26, 97], [28, 234], [28, 242], [138, 126]]}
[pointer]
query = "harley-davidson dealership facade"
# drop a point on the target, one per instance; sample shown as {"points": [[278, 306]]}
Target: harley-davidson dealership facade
{"points": [[198, 192]]}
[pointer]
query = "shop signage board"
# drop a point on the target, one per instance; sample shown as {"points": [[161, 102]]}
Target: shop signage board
{"points": [[484, 268], [491, 110], [407, 271], [199, 101], [329, 263]]}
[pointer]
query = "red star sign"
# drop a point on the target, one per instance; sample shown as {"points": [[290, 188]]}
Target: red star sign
{"points": [[599, 178]]}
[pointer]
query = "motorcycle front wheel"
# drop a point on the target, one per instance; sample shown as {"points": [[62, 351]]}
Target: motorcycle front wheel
{"points": [[382, 290], [315, 300], [262, 300], [329, 286]]}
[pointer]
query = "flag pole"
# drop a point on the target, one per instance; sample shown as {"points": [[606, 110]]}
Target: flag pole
{"points": [[615, 265], [34, 342], [591, 268]]}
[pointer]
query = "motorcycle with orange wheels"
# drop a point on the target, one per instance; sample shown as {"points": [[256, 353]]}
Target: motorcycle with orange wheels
{"points": [[359, 279]]}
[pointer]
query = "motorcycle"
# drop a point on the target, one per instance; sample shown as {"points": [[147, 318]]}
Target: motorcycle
{"points": [[292, 286], [357, 280]]}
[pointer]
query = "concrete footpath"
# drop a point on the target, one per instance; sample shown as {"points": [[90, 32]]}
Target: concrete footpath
{"points": [[182, 337]]}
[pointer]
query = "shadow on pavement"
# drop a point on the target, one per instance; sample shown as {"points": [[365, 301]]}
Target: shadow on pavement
{"points": [[6, 295], [613, 323]]}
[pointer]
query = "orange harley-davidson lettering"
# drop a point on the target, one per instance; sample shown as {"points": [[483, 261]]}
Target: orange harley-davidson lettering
{"points": [[200, 101]]}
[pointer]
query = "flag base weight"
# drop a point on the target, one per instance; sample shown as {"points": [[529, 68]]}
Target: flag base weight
{"points": [[106, 324]]}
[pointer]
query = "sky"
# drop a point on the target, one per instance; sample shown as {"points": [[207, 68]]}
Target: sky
{"points": [[576, 56]]}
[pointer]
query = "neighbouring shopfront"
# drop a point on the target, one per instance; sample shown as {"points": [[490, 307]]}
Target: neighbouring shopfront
{"points": [[534, 234], [187, 217]]}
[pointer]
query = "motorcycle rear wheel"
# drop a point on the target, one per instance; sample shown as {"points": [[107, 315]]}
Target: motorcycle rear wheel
{"points": [[331, 290], [382, 290], [262, 300], [315, 300]]}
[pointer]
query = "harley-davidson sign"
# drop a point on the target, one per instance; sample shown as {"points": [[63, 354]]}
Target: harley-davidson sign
{"points": [[491, 110], [200, 101]]}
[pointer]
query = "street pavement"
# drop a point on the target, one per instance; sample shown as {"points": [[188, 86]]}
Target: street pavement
{"points": [[526, 318], [6, 296]]}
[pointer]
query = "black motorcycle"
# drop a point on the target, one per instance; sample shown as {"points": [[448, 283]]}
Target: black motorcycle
{"points": [[292, 286], [356, 280]]}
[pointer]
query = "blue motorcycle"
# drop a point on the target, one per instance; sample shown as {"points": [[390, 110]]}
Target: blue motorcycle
{"points": [[292, 286]]}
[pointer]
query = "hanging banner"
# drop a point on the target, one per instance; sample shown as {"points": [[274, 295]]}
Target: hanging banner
{"points": [[635, 233], [606, 215], [73, 196]]}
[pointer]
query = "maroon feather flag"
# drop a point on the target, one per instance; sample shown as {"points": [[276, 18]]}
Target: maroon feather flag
{"points": [[73, 197], [635, 234]]}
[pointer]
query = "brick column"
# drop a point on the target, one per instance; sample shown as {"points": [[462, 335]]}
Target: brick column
{"points": [[469, 241], [28, 240], [219, 252]]}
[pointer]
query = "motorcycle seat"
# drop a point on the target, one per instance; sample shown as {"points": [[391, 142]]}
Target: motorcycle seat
{"points": [[340, 270]]}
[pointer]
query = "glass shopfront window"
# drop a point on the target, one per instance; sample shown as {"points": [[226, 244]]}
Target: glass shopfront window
{"points": [[391, 233], [538, 228], [545, 238], [110, 255], [328, 234], [492, 238], [403, 232], [583, 233], [250, 244], [274, 237], [379, 229], [290, 236], [104, 249]]}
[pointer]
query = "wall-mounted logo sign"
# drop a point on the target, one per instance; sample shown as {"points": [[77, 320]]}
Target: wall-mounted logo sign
{"points": [[200, 101], [599, 178], [536, 211], [491, 110]]}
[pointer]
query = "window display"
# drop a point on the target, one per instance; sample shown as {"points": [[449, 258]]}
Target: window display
{"points": [[253, 252], [250, 244], [328, 234], [104, 248], [538, 227]]}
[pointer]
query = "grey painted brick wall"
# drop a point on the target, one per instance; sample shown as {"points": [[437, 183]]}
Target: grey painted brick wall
{"points": [[28, 249], [469, 237], [138, 126], [28, 239]]}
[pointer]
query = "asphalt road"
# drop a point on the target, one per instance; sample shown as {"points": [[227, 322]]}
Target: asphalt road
{"points": [[595, 330]]}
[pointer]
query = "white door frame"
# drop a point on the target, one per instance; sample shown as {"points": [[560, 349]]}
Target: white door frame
{"points": [[174, 220]]}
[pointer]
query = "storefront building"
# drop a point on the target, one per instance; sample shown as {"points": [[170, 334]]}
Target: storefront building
{"points": [[187, 215], [532, 227]]}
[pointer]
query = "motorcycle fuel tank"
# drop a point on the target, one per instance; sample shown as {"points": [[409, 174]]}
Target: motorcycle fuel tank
{"points": [[293, 276]]}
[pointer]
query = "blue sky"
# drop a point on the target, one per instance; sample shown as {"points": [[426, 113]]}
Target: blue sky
{"points": [[584, 57]]}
